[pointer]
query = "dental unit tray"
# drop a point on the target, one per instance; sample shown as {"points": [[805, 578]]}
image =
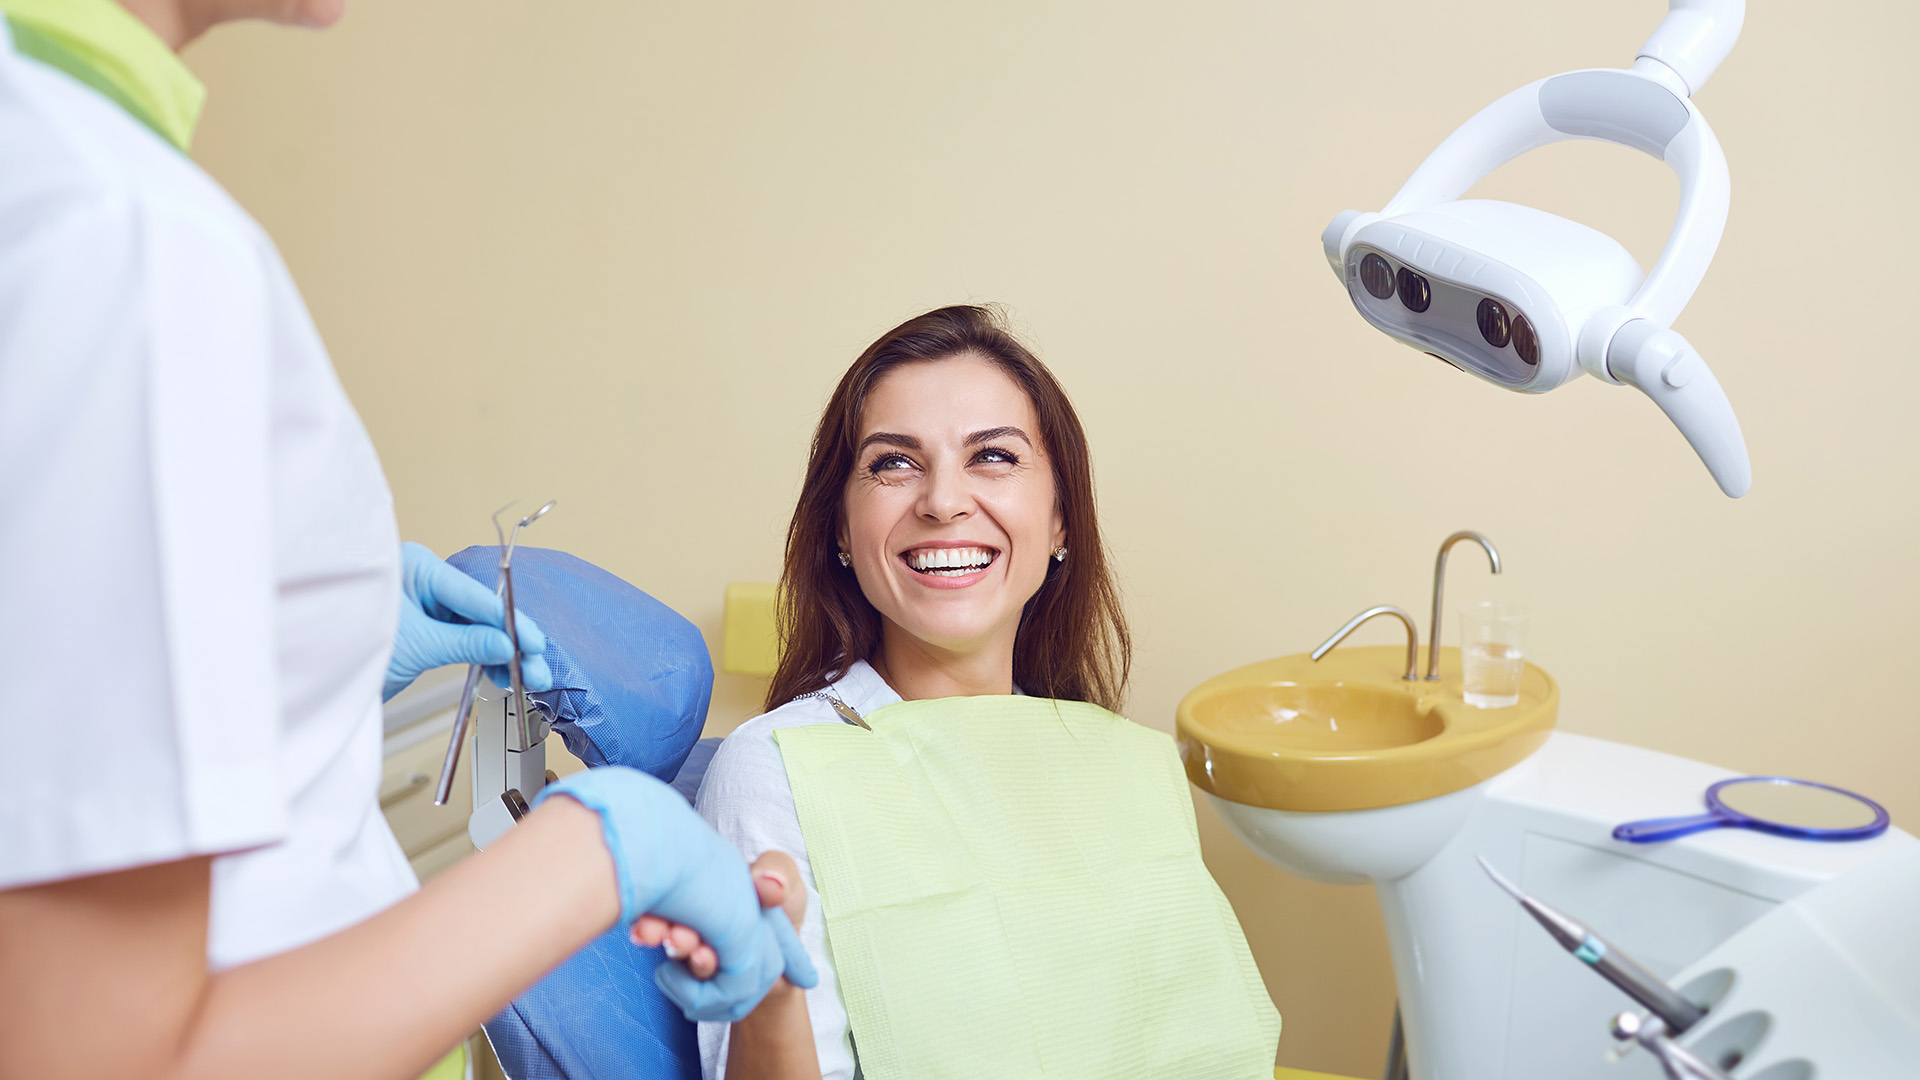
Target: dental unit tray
{"points": [[1528, 300]]}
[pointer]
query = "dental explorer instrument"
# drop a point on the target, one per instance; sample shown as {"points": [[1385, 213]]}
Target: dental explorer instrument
{"points": [[504, 589], [1616, 967], [513, 637]]}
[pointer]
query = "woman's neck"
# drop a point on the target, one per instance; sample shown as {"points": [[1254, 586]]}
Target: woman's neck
{"points": [[917, 671]]}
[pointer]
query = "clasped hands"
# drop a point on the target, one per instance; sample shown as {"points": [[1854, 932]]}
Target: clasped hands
{"points": [[683, 886]]}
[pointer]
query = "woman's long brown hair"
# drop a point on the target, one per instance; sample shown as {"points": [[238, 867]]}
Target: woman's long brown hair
{"points": [[1072, 642]]}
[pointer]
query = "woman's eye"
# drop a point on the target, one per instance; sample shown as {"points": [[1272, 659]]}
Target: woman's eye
{"points": [[886, 463], [995, 456]]}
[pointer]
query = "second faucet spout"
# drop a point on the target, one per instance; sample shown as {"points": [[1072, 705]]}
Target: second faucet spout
{"points": [[1440, 584]]}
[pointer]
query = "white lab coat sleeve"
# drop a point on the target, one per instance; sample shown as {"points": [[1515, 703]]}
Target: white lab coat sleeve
{"points": [[746, 797], [137, 640]]}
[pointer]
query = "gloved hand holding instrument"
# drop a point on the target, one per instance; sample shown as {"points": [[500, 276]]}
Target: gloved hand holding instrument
{"points": [[447, 617]]}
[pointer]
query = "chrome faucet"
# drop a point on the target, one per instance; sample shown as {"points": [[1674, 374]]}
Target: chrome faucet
{"points": [[1413, 637], [1440, 583]]}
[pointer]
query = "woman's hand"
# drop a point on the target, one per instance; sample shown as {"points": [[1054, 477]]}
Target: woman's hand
{"points": [[773, 874], [776, 877], [775, 1042]]}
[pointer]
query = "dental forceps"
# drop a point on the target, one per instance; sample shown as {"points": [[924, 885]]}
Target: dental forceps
{"points": [[503, 589]]}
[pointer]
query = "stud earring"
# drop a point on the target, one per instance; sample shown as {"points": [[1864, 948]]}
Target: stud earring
{"points": [[1059, 554], [846, 559]]}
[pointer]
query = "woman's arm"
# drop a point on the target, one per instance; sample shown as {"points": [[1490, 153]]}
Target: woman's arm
{"points": [[746, 798], [775, 1042]]}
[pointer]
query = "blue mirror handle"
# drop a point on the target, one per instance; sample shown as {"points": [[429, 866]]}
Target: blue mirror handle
{"points": [[1654, 830]]}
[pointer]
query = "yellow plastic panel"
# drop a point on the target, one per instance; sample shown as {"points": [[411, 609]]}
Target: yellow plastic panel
{"points": [[749, 642]]}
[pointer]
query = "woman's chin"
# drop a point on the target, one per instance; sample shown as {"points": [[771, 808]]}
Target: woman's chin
{"points": [[953, 633]]}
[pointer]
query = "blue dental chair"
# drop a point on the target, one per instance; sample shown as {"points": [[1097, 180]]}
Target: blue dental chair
{"points": [[631, 684]]}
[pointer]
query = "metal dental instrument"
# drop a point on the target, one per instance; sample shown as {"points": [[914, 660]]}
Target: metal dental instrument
{"points": [[459, 736], [1616, 967], [513, 636], [1677, 1061], [504, 589]]}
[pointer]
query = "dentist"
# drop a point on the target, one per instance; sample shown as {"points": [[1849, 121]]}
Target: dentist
{"points": [[199, 581]]}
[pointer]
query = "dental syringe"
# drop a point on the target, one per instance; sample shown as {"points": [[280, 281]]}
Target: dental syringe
{"points": [[1616, 967]]}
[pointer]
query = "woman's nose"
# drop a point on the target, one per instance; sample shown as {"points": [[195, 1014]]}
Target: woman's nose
{"points": [[946, 496]]}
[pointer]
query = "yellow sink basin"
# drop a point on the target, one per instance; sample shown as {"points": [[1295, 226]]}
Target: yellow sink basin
{"points": [[1348, 733]]}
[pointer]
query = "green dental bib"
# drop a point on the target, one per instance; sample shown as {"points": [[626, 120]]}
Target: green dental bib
{"points": [[1012, 888]]}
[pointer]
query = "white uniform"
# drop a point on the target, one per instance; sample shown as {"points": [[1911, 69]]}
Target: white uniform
{"points": [[199, 577], [746, 798]]}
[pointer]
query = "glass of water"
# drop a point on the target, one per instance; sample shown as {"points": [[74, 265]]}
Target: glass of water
{"points": [[1493, 651]]}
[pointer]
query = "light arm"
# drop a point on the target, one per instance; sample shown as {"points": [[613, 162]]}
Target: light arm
{"points": [[1660, 364], [1694, 38], [1612, 106]]}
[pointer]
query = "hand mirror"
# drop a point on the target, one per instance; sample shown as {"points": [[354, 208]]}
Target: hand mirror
{"points": [[1783, 806]]}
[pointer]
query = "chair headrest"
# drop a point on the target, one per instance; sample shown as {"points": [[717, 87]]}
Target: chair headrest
{"points": [[631, 677]]}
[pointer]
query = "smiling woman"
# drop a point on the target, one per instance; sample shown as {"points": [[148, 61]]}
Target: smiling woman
{"points": [[951, 475], [975, 830]]}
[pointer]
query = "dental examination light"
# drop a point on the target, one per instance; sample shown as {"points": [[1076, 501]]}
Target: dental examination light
{"points": [[1528, 300]]}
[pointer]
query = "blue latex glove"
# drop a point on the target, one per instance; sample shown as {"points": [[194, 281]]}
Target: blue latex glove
{"points": [[670, 863], [447, 617]]}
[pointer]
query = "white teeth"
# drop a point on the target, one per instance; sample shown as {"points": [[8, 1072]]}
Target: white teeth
{"points": [[950, 562]]}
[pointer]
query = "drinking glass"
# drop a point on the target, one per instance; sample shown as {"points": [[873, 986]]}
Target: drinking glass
{"points": [[1492, 654]]}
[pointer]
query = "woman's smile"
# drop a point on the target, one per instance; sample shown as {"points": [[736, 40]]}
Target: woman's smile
{"points": [[950, 564]]}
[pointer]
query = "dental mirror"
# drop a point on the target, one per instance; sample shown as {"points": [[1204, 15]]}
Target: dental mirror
{"points": [[1780, 805]]}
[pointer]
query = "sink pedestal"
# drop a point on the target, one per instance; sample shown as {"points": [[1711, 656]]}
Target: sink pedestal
{"points": [[1353, 847]]}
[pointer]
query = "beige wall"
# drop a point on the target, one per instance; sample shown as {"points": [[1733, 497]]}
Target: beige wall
{"points": [[616, 253]]}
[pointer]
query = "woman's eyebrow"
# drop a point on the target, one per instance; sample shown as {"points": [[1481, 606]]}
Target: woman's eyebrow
{"points": [[906, 441], [993, 433]]}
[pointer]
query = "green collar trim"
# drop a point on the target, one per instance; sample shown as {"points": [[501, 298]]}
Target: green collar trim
{"points": [[101, 44]]}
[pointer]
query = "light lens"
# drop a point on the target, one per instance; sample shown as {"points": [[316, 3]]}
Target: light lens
{"points": [[1525, 341], [1376, 276], [1492, 317], [1415, 292]]}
